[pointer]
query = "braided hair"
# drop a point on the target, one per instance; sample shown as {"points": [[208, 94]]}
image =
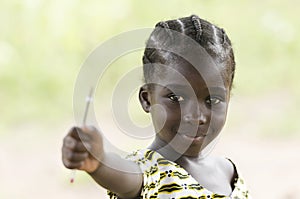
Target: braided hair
{"points": [[212, 38]]}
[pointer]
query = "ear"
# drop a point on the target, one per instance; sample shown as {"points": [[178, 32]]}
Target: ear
{"points": [[144, 97]]}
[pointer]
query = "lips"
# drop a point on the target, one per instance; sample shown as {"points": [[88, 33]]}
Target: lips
{"points": [[193, 134], [193, 138]]}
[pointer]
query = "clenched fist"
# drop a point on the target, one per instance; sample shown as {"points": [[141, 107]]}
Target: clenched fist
{"points": [[83, 149]]}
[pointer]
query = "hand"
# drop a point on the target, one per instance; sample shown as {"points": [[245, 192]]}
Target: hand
{"points": [[83, 149]]}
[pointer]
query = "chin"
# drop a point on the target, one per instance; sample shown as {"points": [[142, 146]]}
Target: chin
{"points": [[186, 148]]}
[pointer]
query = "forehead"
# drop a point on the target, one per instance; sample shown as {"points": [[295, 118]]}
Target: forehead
{"points": [[204, 75]]}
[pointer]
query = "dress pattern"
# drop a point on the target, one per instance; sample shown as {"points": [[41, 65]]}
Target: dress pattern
{"points": [[167, 180]]}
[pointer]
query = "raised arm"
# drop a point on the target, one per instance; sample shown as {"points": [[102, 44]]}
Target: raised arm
{"points": [[83, 150]]}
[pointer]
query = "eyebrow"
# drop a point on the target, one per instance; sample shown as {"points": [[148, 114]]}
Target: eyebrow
{"points": [[217, 89], [176, 86], [180, 86]]}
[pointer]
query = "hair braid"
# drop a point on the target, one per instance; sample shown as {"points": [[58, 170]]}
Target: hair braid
{"points": [[197, 24], [163, 24], [224, 36], [212, 38]]}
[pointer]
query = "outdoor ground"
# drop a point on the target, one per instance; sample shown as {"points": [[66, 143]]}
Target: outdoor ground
{"points": [[31, 169]]}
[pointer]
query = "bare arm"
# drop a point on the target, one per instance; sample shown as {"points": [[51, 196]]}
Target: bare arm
{"points": [[83, 149]]}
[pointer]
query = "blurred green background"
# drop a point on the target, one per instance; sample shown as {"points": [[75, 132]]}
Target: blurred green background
{"points": [[44, 43]]}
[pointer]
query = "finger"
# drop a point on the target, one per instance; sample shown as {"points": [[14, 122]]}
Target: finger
{"points": [[90, 130], [72, 165], [78, 134], [78, 157], [76, 146], [75, 157], [69, 142]]}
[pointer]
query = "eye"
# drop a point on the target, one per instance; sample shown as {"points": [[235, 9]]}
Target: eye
{"points": [[213, 100], [175, 98]]}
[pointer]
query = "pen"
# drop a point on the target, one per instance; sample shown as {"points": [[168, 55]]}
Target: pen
{"points": [[88, 100]]}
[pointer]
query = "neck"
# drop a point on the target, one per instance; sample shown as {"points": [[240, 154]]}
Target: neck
{"points": [[165, 149]]}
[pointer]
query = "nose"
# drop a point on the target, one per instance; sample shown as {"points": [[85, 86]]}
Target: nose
{"points": [[195, 115]]}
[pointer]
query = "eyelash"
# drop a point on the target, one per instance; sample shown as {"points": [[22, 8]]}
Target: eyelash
{"points": [[218, 100], [179, 98], [176, 98]]}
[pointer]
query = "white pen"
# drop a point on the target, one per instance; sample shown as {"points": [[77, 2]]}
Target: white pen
{"points": [[88, 100]]}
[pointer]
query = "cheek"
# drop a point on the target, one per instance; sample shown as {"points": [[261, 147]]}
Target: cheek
{"points": [[217, 121], [173, 114], [165, 117], [215, 126], [159, 116]]}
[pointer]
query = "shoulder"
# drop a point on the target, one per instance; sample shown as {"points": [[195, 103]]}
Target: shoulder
{"points": [[226, 166], [232, 173], [146, 159]]}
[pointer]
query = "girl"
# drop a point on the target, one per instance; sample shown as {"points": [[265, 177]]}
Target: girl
{"points": [[188, 68]]}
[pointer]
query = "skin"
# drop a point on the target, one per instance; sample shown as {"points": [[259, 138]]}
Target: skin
{"points": [[188, 112]]}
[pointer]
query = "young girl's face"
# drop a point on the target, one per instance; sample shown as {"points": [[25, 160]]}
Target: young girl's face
{"points": [[187, 111]]}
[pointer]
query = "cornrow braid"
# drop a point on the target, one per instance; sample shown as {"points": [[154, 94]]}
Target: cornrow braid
{"points": [[163, 24], [197, 24], [224, 36], [165, 30], [210, 37], [181, 25]]}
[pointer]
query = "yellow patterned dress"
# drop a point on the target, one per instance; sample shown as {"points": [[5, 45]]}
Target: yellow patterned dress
{"points": [[167, 180]]}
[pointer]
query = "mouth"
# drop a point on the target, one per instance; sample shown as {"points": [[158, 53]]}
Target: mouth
{"points": [[193, 138]]}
